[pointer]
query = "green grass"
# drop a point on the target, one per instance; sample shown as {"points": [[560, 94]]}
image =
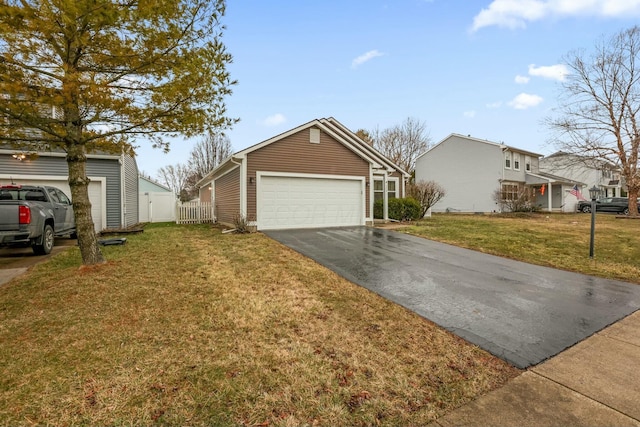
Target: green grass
{"points": [[556, 240], [187, 326]]}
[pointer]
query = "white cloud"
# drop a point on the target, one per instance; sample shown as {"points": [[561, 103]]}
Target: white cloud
{"points": [[365, 57], [554, 72], [522, 80], [274, 120], [497, 104], [518, 13], [524, 101], [470, 114]]}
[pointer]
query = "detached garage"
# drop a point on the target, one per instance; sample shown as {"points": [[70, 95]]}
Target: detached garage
{"points": [[113, 190], [319, 174]]}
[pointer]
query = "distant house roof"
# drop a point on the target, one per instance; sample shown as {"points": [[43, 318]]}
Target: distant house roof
{"points": [[148, 184], [484, 141], [595, 161]]}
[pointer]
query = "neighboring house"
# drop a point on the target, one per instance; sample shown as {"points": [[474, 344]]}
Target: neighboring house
{"points": [[593, 172], [157, 203], [319, 174], [113, 190], [471, 170]]}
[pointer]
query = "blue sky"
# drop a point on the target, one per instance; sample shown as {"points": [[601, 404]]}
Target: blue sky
{"points": [[489, 69]]}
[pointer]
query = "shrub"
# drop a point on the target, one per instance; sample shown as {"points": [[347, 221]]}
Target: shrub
{"points": [[427, 193], [241, 223], [522, 200], [399, 209], [378, 209]]}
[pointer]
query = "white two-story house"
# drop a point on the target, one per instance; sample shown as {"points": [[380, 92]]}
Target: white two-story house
{"points": [[593, 172], [471, 170]]}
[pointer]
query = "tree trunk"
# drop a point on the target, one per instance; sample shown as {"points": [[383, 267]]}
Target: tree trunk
{"points": [[633, 201], [79, 184]]}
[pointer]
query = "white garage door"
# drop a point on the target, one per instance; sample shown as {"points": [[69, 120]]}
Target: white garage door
{"points": [[297, 202], [95, 195]]}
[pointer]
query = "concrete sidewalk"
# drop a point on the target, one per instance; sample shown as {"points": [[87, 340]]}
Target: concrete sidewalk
{"points": [[594, 383]]}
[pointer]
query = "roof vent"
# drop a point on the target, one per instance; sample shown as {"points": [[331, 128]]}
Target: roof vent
{"points": [[314, 136]]}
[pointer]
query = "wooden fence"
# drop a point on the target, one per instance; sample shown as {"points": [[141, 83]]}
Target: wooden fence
{"points": [[194, 213]]}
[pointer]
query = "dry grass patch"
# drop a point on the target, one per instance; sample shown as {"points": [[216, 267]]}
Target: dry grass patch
{"points": [[186, 326], [555, 240]]}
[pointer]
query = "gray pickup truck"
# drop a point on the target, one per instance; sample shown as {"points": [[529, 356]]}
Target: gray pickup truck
{"points": [[34, 215]]}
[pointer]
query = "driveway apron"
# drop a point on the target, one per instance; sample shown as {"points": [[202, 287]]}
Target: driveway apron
{"points": [[520, 312]]}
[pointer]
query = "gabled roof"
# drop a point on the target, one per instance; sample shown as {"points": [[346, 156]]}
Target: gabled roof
{"points": [[331, 127], [543, 177], [154, 182], [503, 147]]}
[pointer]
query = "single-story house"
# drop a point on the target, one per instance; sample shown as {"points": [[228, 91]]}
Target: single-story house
{"points": [[113, 190], [472, 170], [319, 174], [157, 202]]}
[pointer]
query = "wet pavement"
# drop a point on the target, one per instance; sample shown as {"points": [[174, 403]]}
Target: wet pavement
{"points": [[519, 312], [14, 261]]}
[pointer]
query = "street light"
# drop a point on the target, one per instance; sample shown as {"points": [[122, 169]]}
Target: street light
{"points": [[594, 193]]}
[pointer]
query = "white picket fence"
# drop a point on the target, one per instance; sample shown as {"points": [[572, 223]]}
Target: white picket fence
{"points": [[194, 213]]}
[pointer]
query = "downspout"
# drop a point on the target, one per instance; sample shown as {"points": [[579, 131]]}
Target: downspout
{"points": [[123, 199], [243, 185]]}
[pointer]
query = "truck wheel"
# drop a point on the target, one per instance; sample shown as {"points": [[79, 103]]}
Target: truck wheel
{"points": [[47, 242], [586, 209], [625, 211]]}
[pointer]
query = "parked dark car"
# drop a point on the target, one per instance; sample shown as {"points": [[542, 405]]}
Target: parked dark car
{"points": [[618, 205]]}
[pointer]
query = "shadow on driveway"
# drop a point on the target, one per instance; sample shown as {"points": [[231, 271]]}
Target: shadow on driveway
{"points": [[520, 312]]}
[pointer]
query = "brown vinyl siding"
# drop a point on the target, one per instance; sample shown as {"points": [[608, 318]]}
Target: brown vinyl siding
{"points": [[295, 154], [205, 194], [227, 198]]}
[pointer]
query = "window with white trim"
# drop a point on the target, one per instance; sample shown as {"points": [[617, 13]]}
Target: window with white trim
{"points": [[507, 160], [392, 189], [516, 161], [527, 163], [378, 190], [510, 191]]}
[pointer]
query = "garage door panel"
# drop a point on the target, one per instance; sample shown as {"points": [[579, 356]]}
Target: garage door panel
{"points": [[300, 202]]}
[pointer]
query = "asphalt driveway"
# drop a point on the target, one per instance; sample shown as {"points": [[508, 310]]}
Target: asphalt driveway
{"points": [[519, 312]]}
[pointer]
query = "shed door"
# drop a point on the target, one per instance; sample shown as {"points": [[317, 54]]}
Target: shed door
{"points": [[95, 195], [305, 202]]}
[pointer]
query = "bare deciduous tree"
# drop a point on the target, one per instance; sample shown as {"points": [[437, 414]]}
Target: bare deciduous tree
{"points": [[176, 178], [600, 104], [403, 143], [209, 153], [427, 193]]}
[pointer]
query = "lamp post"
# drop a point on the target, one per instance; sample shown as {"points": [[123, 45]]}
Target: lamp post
{"points": [[594, 192]]}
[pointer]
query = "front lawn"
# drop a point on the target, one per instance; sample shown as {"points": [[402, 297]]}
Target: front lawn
{"points": [[187, 326], [556, 240]]}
